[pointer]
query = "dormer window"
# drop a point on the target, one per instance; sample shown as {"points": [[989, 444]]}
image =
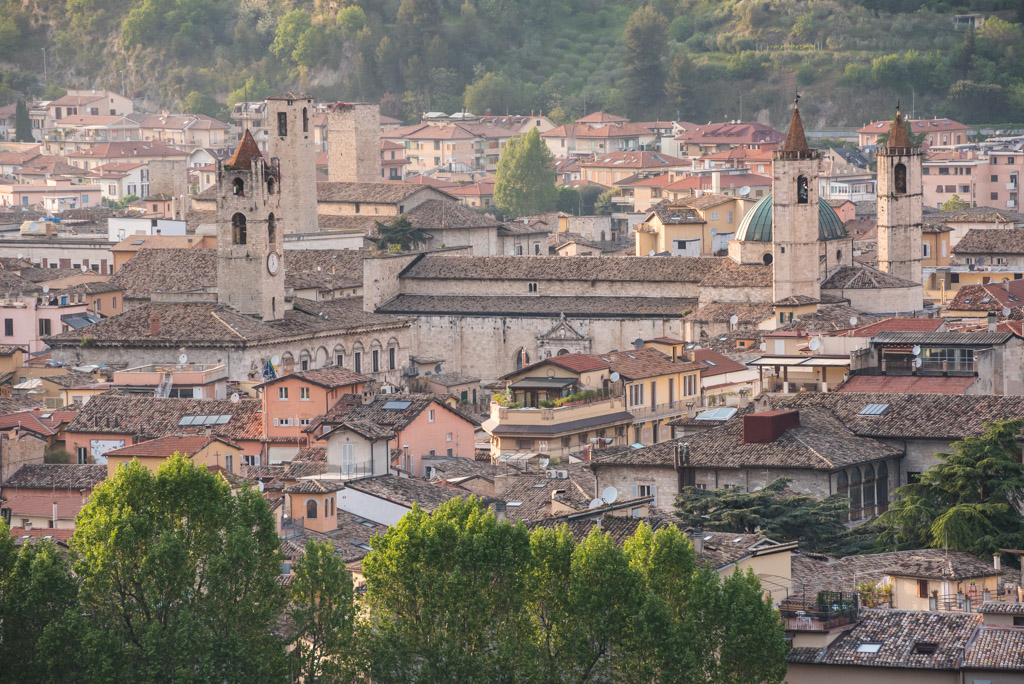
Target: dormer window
{"points": [[925, 647]]}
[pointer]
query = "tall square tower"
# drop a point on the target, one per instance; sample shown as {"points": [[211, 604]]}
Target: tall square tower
{"points": [[353, 142], [795, 250], [250, 272], [290, 141], [900, 203]]}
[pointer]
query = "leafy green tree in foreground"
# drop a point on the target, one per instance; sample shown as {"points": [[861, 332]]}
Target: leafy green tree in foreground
{"points": [[524, 183], [969, 501], [323, 614], [445, 596], [774, 511], [400, 233], [178, 581], [458, 597], [36, 588]]}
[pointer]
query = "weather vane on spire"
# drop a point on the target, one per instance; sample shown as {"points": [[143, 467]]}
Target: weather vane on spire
{"points": [[796, 97]]}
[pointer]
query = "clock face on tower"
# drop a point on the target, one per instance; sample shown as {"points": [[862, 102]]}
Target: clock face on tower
{"points": [[273, 263]]}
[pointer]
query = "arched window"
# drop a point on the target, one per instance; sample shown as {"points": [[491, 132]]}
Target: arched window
{"points": [[855, 494], [869, 490], [238, 235], [899, 179], [311, 509], [839, 255], [562, 352], [802, 190], [767, 259], [305, 120], [271, 229], [882, 488], [522, 359], [842, 484], [271, 185], [238, 187]]}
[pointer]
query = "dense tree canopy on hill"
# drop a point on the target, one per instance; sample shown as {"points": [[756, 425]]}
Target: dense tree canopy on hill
{"points": [[653, 59]]}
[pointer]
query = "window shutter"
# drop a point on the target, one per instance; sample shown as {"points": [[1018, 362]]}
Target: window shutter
{"points": [[636, 491], [654, 493]]}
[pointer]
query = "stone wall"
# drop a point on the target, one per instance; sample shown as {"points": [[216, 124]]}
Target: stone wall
{"points": [[353, 142], [795, 251], [296, 153], [488, 347], [17, 449], [899, 215]]}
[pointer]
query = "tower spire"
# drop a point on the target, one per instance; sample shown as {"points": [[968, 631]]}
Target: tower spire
{"points": [[246, 151], [898, 136], [796, 141]]}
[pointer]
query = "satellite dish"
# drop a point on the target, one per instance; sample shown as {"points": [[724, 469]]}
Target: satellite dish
{"points": [[544, 462], [20, 255], [235, 398], [46, 288], [651, 253], [853, 320], [744, 191], [610, 494], [183, 358], [916, 350], [614, 377], [275, 359], [814, 344], [1006, 312], [596, 503], [764, 346], [85, 269], [713, 232], [917, 363], [734, 319], [259, 485], [638, 343]]}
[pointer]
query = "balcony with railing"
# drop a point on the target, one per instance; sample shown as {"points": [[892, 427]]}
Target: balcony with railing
{"points": [[671, 409], [821, 611]]}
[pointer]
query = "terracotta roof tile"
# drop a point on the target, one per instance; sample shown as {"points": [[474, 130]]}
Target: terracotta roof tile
{"points": [[991, 241], [57, 476], [164, 447], [906, 384], [406, 491], [151, 417], [246, 151], [540, 306], [41, 505], [996, 648]]}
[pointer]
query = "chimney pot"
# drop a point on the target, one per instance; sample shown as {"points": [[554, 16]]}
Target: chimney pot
{"points": [[997, 559], [991, 321], [768, 426], [698, 541], [55, 516]]}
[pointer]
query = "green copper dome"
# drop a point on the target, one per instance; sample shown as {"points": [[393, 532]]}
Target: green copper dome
{"points": [[756, 226]]}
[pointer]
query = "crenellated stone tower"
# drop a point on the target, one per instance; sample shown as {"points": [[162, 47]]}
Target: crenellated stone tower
{"points": [[291, 142], [795, 249], [899, 204], [353, 142], [250, 272]]}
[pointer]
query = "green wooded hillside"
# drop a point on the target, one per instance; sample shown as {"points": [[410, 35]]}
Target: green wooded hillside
{"points": [[690, 59]]}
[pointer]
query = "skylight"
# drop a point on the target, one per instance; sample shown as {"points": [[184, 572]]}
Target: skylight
{"points": [[868, 647], [874, 409], [514, 503], [396, 405], [711, 363], [724, 413]]}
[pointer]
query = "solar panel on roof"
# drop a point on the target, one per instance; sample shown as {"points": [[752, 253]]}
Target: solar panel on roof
{"points": [[221, 420], [874, 409], [396, 405], [185, 420]]}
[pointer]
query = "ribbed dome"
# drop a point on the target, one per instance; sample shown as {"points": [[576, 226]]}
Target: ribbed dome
{"points": [[756, 226]]}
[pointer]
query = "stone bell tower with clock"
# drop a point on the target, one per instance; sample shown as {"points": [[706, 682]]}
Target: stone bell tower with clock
{"points": [[250, 269]]}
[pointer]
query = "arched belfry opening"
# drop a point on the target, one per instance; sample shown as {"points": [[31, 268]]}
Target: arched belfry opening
{"points": [[238, 229], [899, 177], [802, 190], [238, 187]]}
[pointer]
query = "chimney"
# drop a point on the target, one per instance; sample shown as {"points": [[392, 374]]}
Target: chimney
{"points": [[768, 426], [55, 515], [716, 182], [685, 476], [154, 326], [991, 321], [500, 511], [28, 525], [698, 541], [1006, 284], [997, 560]]}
